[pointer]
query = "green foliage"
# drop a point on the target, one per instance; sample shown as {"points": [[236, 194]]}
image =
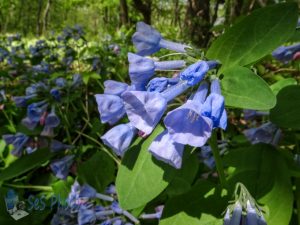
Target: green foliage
{"points": [[244, 89], [255, 36], [287, 110]]}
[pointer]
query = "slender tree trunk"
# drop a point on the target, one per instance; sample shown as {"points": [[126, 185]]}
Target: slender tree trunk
{"points": [[124, 12], [144, 7], [46, 15], [38, 18]]}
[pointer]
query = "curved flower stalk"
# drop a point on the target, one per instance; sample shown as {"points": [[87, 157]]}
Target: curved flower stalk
{"points": [[194, 129], [141, 69], [119, 138], [147, 41], [285, 54]]}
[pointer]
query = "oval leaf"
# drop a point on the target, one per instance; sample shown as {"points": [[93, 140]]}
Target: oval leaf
{"points": [[287, 110], [244, 89], [256, 35], [141, 177]]}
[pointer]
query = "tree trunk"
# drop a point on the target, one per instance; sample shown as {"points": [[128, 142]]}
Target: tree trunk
{"points": [[38, 18], [46, 15], [197, 21], [123, 12], [144, 8]]}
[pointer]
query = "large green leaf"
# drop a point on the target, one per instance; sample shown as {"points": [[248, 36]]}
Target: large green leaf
{"points": [[244, 89], [286, 113], [255, 35], [141, 177], [264, 172], [25, 163], [98, 171], [202, 205], [281, 84]]}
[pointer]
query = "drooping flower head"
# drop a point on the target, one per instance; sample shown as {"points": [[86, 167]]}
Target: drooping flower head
{"points": [[60, 167]]}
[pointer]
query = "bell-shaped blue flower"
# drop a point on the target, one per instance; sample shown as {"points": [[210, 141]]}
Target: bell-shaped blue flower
{"points": [[147, 40], [55, 93], [250, 114], [145, 109], [251, 217], [86, 216], [285, 53], [21, 101], [156, 215], [86, 191], [52, 120], [214, 106], [265, 133], [27, 122], [159, 84], [119, 138], [18, 141], [193, 129], [114, 87], [36, 110], [47, 131], [141, 69], [61, 82], [62, 166], [165, 149], [110, 107], [195, 72], [57, 146]]}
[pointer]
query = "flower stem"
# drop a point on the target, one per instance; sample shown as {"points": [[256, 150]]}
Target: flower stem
{"points": [[214, 147], [40, 188]]}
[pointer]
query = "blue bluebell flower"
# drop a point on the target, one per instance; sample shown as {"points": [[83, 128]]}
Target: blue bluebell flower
{"points": [[141, 69], [77, 80], [214, 106], [147, 40], [28, 123], [56, 146], [159, 84], [34, 88], [194, 128], [63, 216], [47, 131], [156, 215], [111, 189], [110, 107], [250, 114], [21, 101], [263, 134], [237, 214], [195, 72], [145, 109], [87, 191], [251, 217], [55, 93], [165, 149], [60, 167], [36, 110], [18, 140], [43, 67], [119, 138], [52, 120], [285, 53], [114, 87], [61, 82], [86, 216]]}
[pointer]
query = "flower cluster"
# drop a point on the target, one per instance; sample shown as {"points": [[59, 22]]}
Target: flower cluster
{"points": [[286, 54], [82, 208], [145, 101], [244, 210]]}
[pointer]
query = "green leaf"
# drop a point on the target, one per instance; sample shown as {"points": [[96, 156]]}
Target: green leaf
{"points": [[202, 205], [281, 84], [244, 89], [98, 171], [141, 177], [25, 163], [287, 110], [264, 172], [256, 35], [62, 188]]}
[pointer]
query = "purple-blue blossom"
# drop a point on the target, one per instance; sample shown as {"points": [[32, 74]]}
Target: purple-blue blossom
{"points": [[61, 167], [147, 41], [195, 73], [285, 53], [18, 140], [119, 138], [159, 84], [36, 110]]}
